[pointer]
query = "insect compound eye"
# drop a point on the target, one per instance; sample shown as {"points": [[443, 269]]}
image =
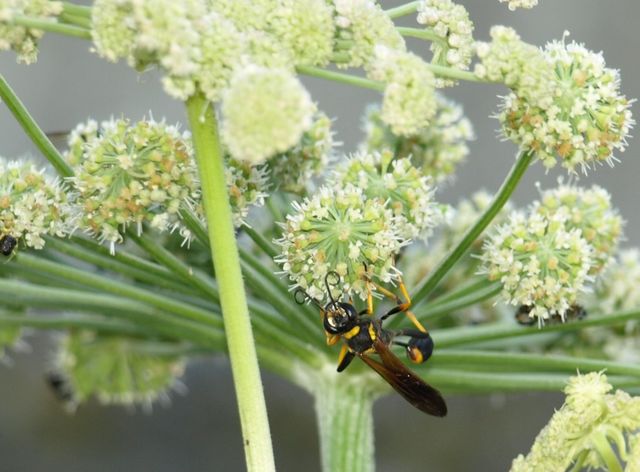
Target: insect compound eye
{"points": [[339, 318]]}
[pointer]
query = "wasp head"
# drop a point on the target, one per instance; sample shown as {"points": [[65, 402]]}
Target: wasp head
{"points": [[339, 317]]}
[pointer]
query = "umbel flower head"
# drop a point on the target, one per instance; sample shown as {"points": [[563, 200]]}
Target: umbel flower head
{"points": [[590, 211], [587, 120], [589, 424], [520, 66], [339, 229], [293, 170], [130, 174], [617, 288], [115, 369], [395, 183], [23, 40], [514, 4], [409, 101], [264, 112], [362, 25], [436, 149], [541, 262], [451, 23], [32, 204]]}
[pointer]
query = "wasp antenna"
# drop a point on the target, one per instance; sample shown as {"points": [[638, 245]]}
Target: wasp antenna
{"points": [[328, 285], [301, 296]]}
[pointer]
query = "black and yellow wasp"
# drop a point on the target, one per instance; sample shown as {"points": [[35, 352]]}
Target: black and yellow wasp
{"points": [[364, 335]]}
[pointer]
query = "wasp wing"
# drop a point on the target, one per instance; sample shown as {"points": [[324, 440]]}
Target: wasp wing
{"points": [[421, 395]]}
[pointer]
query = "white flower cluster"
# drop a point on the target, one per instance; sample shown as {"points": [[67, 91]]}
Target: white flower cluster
{"points": [[520, 66], [587, 427], [32, 204], [339, 229], [130, 174], [265, 111], [541, 262], [436, 149], [514, 4], [395, 183], [293, 170], [23, 40], [590, 211], [587, 120], [450, 21], [114, 369], [361, 26], [617, 288], [199, 43], [409, 101]]}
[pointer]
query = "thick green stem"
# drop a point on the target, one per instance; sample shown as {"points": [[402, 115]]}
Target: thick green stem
{"points": [[32, 129], [435, 277], [402, 10], [75, 20], [344, 411], [51, 26], [241, 346], [77, 10], [341, 77]]}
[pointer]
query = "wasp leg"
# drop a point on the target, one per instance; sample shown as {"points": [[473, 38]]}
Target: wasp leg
{"points": [[403, 307], [345, 358], [420, 345]]}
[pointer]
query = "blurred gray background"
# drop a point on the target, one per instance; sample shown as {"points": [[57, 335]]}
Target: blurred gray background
{"points": [[200, 430]]}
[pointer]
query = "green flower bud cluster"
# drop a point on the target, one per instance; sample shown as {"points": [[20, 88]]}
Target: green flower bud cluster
{"points": [[590, 211], [409, 101], [541, 261], [450, 21], [546, 258], [436, 149], [339, 229], [587, 119], [293, 170], [361, 26], [356, 225], [131, 174], [589, 424], [32, 204], [617, 288], [520, 66], [116, 370], [21, 39], [396, 183]]}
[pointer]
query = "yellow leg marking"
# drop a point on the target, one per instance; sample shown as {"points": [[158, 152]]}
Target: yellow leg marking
{"points": [[343, 352], [405, 294], [332, 339], [369, 300], [415, 321]]}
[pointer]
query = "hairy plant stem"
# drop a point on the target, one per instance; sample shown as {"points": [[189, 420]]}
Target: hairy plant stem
{"points": [[32, 129], [344, 412], [240, 342], [427, 285]]}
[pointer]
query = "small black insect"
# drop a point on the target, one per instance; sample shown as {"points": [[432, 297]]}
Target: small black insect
{"points": [[60, 387], [574, 313], [7, 244]]}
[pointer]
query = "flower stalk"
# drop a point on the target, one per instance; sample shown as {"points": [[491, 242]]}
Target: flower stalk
{"points": [[241, 346]]}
